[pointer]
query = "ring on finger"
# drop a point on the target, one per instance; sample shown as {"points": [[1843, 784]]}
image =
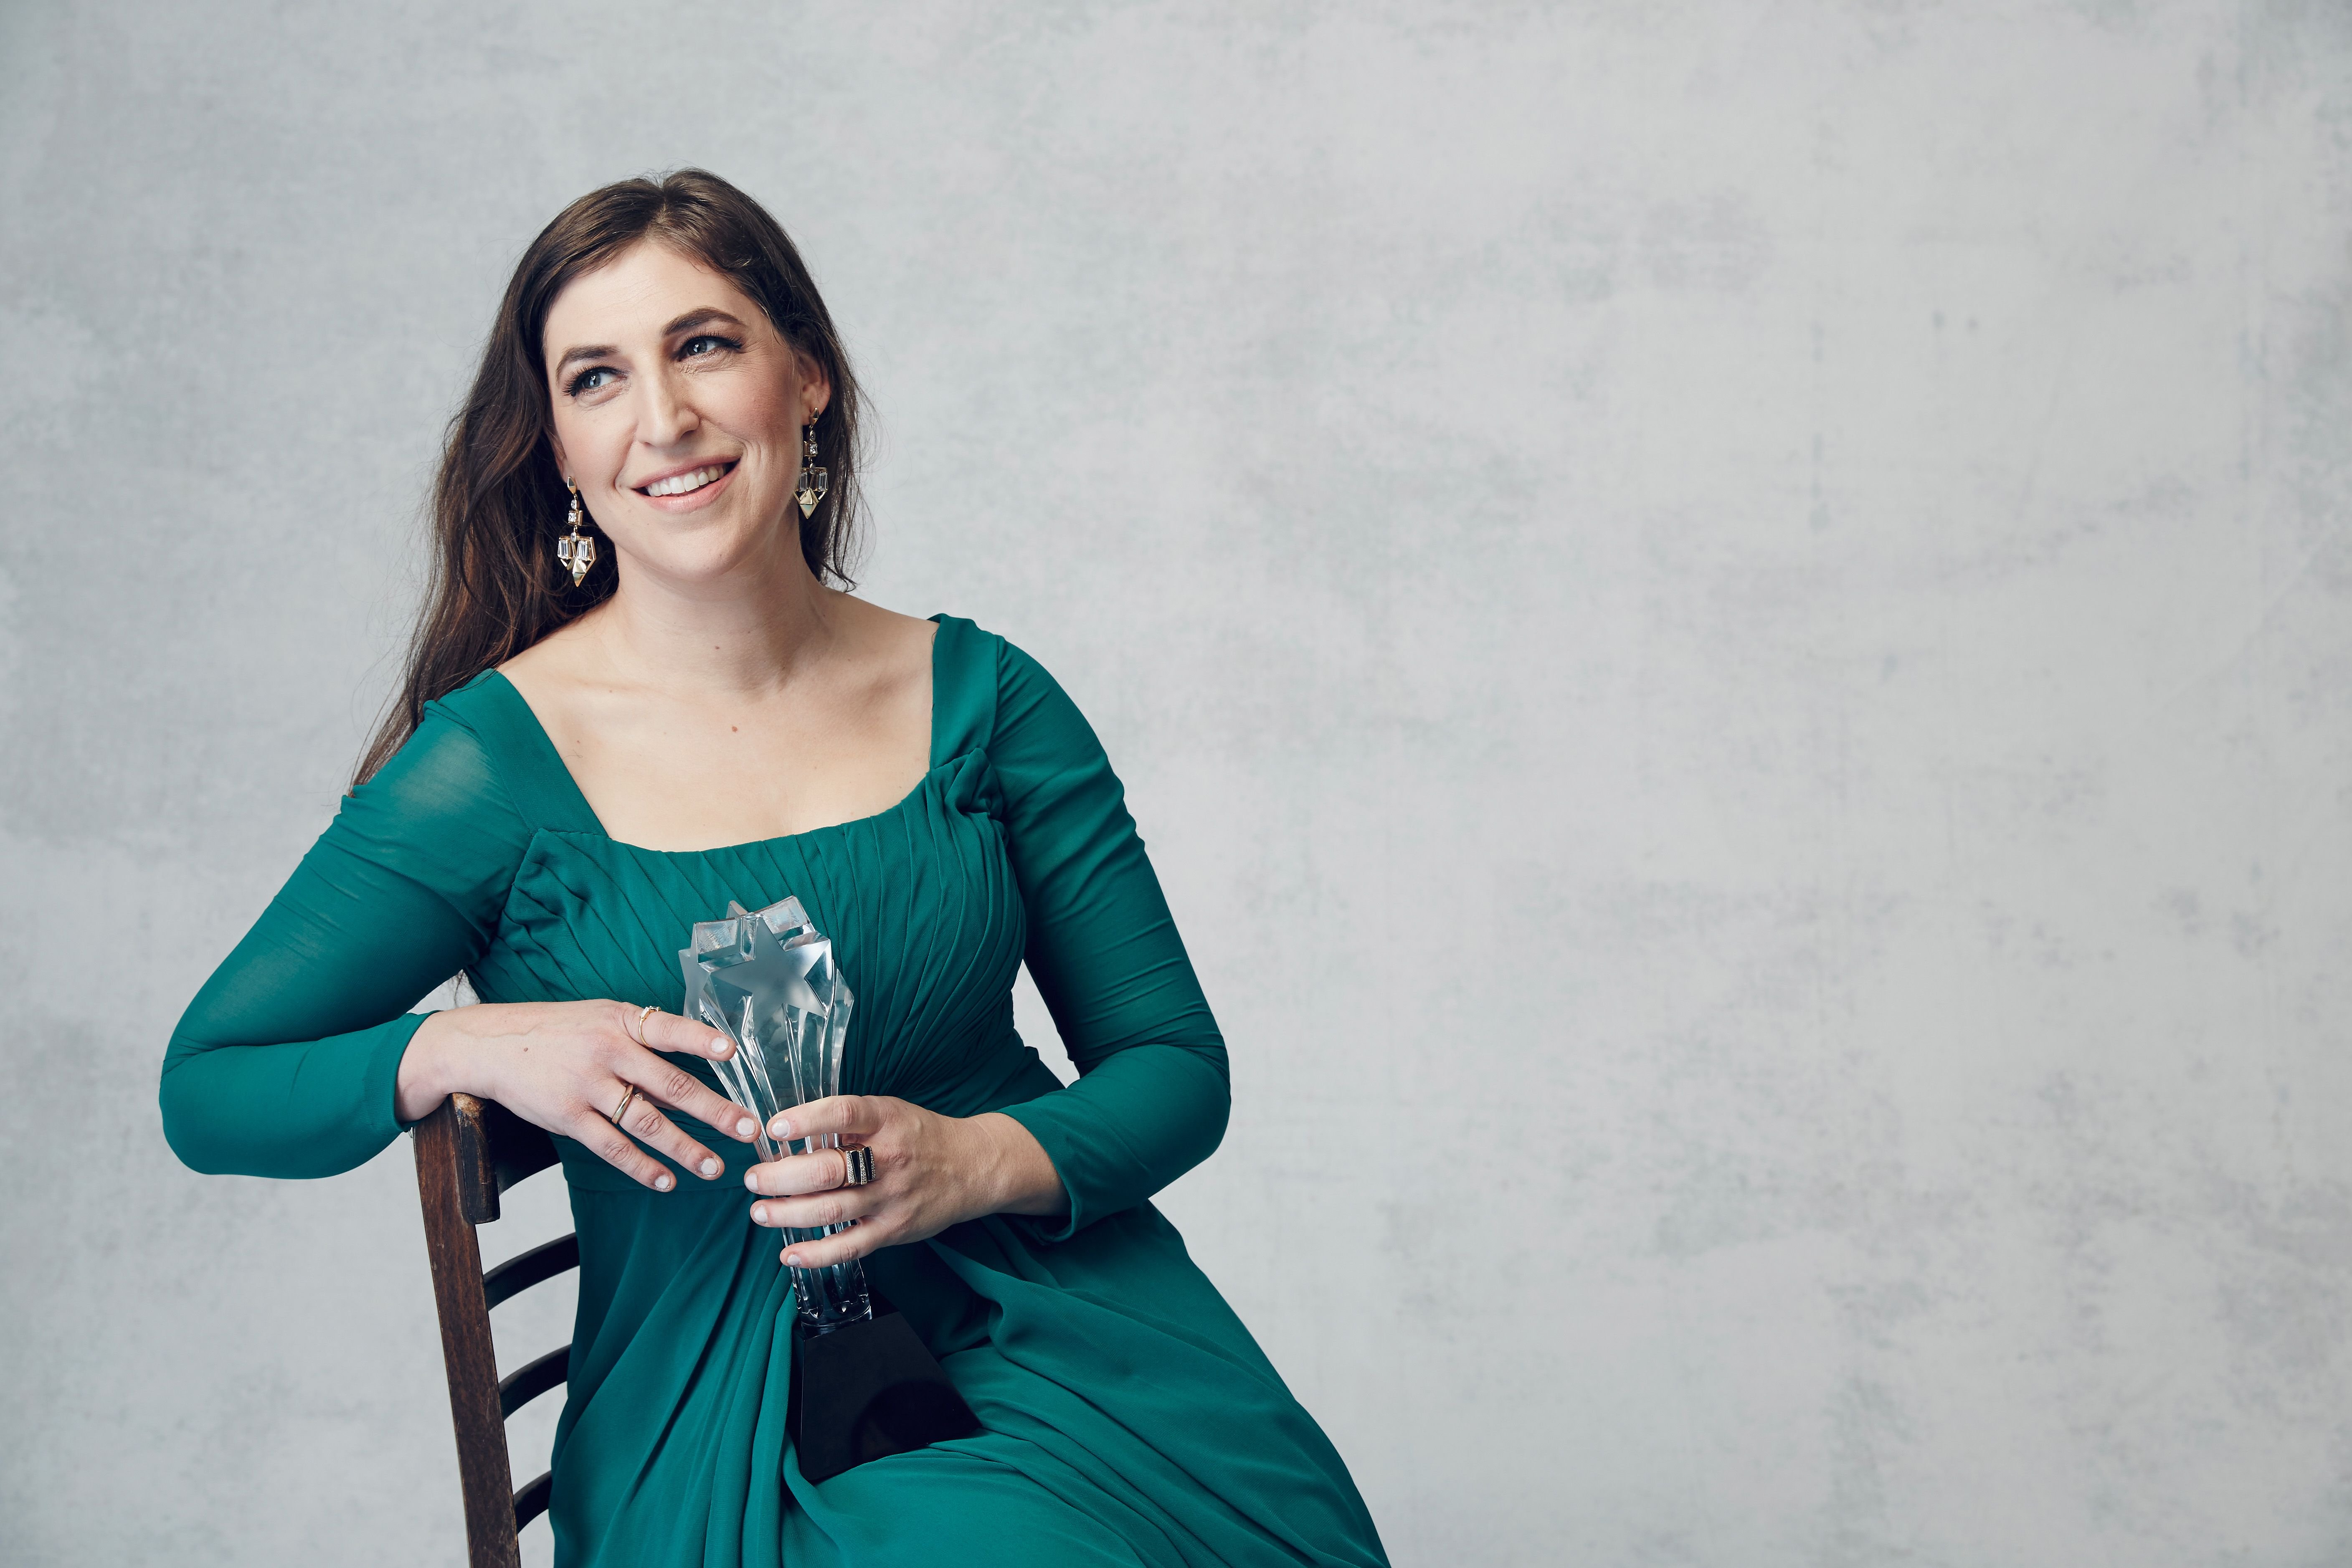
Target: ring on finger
{"points": [[623, 1108], [857, 1165], [636, 1031]]}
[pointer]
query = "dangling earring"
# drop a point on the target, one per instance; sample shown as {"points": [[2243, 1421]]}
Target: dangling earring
{"points": [[576, 551], [812, 488]]}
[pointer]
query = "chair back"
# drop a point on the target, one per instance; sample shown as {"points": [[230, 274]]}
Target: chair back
{"points": [[467, 1152]]}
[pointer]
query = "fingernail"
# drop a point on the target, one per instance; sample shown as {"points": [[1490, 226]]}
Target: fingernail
{"points": [[749, 1184], [661, 1182], [759, 1214], [723, 1045], [710, 1167], [779, 1128], [791, 1260], [746, 1127]]}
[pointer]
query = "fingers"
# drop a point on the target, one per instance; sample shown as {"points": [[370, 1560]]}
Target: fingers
{"points": [[855, 1113], [808, 1195], [671, 1085], [808, 1191], [857, 1241], [649, 1126], [818, 1171], [619, 1144], [815, 1210], [570, 1066], [663, 1031], [618, 1150]]}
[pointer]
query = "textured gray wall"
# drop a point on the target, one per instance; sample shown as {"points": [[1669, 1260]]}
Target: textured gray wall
{"points": [[1803, 544]]}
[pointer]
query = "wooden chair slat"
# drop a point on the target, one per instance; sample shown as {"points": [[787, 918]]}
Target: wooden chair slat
{"points": [[525, 1384], [521, 1273], [531, 1501]]}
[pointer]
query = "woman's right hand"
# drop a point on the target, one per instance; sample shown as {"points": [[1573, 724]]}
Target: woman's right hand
{"points": [[566, 1066]]}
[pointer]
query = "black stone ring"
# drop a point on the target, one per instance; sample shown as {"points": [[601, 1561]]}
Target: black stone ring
{"points": [[858, 1165]]}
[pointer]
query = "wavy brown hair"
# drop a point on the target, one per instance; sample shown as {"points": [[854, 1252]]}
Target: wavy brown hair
{"points": [[500, 501]]}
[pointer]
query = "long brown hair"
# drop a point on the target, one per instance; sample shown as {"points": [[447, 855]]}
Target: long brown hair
{"points": [[500, 502]]}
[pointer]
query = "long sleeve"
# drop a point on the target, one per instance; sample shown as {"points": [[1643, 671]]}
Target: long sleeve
{"points": [[1153, 1095], [285, 1063]]}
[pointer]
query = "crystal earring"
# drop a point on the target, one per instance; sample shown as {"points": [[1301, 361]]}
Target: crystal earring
{"points": [[812, 485], [576, 551]]}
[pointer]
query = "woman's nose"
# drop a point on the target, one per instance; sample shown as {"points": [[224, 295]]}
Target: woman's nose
{"points": [[669, 415]]}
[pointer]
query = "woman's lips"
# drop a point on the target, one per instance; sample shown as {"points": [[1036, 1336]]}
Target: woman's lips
{"points": [[707, 482]]}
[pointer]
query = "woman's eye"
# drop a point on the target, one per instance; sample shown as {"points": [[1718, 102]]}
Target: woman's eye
{"points": [[695, 348], [587, 381]]}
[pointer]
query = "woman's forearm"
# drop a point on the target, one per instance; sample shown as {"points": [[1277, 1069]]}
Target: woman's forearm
{"points": [[300, 1108], [1020, 1175]]}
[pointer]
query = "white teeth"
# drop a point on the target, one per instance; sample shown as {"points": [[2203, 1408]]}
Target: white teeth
{"points": [[679, 484]]}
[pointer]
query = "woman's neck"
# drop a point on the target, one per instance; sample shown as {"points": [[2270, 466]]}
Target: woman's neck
{"points": [[744, 635]]}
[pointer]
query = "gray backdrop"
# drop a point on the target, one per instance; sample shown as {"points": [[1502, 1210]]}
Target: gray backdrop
{"points": [[1796, 550]]}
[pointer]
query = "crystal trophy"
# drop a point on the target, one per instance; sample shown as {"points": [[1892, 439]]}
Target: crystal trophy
{"points": [[863, 1385], [769, 982]]}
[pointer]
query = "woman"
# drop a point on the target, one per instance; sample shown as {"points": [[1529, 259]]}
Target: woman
{"points": [[632, 697]]}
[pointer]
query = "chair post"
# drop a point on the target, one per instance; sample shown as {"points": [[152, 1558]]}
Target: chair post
{"points": [[466, 1346]]}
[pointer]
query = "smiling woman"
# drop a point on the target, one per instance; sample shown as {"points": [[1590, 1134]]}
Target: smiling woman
{"points": [[581, 763], [503, 486]]}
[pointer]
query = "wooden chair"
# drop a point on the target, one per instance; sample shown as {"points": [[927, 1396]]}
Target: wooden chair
{"points": [[467, 1152]]}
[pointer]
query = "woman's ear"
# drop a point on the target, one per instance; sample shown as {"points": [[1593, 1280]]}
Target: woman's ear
{"points": [[562, 464], [817, 387]]}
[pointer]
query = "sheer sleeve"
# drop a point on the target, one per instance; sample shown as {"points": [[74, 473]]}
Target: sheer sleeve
{"points": [[1152, 1096], [285, 1063]]}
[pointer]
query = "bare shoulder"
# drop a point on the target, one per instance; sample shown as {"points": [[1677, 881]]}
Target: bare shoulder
{"points": [[549, 667], [551, 676], [871, 619], [891, 646]]}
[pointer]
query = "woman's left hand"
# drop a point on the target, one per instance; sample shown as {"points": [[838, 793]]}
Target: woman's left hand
{"points": [[930, 1172]]}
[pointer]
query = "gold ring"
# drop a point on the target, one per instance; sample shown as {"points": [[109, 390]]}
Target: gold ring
{"points": [[857, 1165], [623, 1108], [637, 1031]]}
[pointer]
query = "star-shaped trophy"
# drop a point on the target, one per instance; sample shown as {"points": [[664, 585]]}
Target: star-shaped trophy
{"points": [[863, 1385]]}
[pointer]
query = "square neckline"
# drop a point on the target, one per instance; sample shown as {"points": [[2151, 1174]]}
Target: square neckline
{"points": [[550, 758]]}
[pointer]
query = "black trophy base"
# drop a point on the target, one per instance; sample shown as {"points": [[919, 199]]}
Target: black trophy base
{"points": [[866, 1390]]}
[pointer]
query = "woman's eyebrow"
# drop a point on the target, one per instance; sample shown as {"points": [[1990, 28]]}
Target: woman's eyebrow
{"points": [[701, 317], [591, 350]]}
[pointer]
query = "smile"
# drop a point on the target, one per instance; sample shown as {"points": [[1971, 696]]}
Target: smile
{"points": [[686, 483]]}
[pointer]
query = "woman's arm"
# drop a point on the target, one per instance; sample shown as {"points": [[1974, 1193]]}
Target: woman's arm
{"points": [[285, 1065], [1152, 1094], [297, 1057]]}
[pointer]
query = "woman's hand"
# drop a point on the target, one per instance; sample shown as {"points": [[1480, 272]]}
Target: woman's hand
{"points": [[930, 1172], [567, 1066]]}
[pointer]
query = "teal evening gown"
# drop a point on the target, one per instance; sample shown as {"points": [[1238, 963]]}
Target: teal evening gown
{"points": [[1127, 1415]]}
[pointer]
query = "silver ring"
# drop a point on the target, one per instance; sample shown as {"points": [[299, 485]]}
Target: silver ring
{"points": [[623, 1108], [857, 1165]]}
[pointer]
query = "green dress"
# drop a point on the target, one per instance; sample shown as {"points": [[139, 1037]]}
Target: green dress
{"points": [[1128, 1415]]}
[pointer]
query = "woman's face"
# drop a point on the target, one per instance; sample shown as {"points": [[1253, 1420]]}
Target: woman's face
{"points": [[677, 412]]}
